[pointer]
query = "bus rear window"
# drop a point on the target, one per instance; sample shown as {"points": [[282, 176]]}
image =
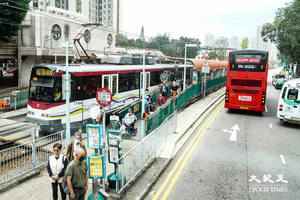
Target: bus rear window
{"points": [[293, 94], [248, 67], [249, 83]]}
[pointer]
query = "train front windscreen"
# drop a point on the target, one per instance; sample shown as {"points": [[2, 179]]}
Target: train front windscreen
{"points": [[44, 86]]}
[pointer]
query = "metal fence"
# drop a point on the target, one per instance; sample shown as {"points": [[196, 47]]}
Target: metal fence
{"points": [[144, 153], [23, 159]]}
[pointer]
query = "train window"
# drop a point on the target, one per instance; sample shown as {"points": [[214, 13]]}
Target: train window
{"points": [[128, 82], [85, 87], [155, 78]]}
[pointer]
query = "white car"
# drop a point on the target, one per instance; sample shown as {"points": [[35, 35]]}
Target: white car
{"points": [[289, 102]]}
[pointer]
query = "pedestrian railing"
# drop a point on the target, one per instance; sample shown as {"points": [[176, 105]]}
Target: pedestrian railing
{"points": [[23, 159], [143, 154]]}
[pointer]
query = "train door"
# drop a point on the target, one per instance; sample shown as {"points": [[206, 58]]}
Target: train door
{"points": [[111, 82], [147, 80]]}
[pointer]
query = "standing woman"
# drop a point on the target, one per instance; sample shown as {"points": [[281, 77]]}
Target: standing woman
{"points": [[57, 164]]}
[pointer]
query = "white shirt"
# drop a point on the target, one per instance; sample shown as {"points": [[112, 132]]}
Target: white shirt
{"points": [[129, 119]]}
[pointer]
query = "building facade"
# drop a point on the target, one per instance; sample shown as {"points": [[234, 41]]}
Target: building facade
{"points": [[49, 24]]}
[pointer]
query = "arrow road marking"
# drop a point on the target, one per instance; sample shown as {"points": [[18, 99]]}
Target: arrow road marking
{"points": [[233, 132]]}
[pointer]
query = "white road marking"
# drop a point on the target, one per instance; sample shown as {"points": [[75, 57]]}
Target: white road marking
{"points": [[270, 125], [233, 136], [282, 159], [233, 132]]}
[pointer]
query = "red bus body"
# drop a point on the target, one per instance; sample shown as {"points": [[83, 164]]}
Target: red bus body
{"points": [[246, 83]]}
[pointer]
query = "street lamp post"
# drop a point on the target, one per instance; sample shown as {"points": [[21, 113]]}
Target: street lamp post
{"points": [[185, 55], [67, 90], [143, 93]]}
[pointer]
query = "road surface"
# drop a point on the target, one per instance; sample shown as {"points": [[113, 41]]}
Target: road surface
{"points": [[236, 156]]}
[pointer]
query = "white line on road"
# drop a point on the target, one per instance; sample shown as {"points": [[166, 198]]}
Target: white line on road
{"points": [[282, 159], [270, 125]]}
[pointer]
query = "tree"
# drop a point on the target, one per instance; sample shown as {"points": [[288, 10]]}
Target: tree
{"points": [[162, 42], [284, 31], [12, 13], [245, 43], [212, 55]]}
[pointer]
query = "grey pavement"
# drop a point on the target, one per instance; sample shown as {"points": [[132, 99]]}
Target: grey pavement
{"points": [[254, 167], [14, 113]]}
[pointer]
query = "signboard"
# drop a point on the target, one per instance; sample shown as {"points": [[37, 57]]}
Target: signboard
{"points": [[247, 60], [94, 134], [113, 155], [96, 167], [114, 149], [104, 97], [244, 58]]}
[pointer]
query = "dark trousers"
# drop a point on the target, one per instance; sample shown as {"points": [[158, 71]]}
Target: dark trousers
{"points": [[79, 194], [55, 191]]}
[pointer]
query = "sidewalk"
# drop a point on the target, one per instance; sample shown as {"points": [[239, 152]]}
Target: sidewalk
{"points": [[14, 113], [38, 188]]}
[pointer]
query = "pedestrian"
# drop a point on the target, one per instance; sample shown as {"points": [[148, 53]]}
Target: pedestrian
{"points": [[57, 164], [76, 143], [161, 100], [174, 88], [76, 176], [129, 122]]}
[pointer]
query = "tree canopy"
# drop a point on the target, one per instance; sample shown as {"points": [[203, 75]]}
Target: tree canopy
{"points": [[163, 42], [12, 13], [285, 31], [245, 43]]}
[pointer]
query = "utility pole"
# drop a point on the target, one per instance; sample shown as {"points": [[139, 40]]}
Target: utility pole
{"points": [[68, 91]]}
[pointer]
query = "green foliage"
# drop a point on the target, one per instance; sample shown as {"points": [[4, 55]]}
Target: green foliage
{"points": [[212, 55], [245, 43], [170, 47], [285, 31], [12, 12]]}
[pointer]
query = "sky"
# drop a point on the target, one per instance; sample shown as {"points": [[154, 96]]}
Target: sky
{"points": [[196, 18]]}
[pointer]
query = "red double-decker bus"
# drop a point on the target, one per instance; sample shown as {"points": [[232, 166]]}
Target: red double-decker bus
{"points": [[246, 84]]}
